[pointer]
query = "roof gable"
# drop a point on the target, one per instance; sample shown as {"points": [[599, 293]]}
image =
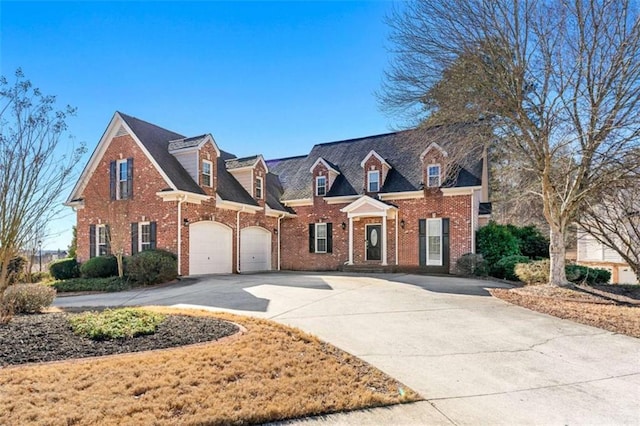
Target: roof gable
{"points": [[192, 143], [372, 153], [328, 165]]}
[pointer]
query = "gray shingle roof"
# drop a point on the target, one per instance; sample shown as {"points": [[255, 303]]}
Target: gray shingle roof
{"points": [[156, 140], [228, 187], [186, 142], [401, 149], [236, 163]]}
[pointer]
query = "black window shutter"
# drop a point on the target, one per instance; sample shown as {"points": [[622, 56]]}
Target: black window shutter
{"points": [[312, 238], [92, 241], [445, 244], [112, 180], [107, 231], [422, 241], [134, 237], [329, 237], [129, 177], [152, 235]]}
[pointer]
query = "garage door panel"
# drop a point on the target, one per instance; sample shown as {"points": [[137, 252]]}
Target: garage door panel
{"points": [[210, 248], [255, 249]]}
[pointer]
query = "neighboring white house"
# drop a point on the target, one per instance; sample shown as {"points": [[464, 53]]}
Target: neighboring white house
{"points": [[593, 253]]}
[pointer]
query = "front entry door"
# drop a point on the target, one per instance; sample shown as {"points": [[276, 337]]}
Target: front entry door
{"points": [[373, 241]]}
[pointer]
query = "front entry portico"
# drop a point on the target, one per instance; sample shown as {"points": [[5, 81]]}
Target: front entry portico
{"points": [[376, 239]]}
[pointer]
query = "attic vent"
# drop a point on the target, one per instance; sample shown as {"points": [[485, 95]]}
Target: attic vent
{"points": [[121, 131]]}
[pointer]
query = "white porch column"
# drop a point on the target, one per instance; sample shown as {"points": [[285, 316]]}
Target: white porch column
{"points": [[350, 240], [384, 240]]}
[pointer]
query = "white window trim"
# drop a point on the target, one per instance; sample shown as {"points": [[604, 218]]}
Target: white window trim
{"points": [[318, 178], [140, 242], [205, 174], [373, 173], [261, 186], [429, 175], [426, 252], [98, 244], [326, 237], [119, 179]]}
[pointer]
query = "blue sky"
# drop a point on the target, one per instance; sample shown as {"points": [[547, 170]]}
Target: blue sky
{"points": [[262, 77]]}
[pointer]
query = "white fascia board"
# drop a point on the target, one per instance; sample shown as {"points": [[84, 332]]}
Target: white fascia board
{"points": [[341, 199], [324, 162], [75, 204], [436, 146], [213, 142], [277, 213], [378, 156], [232, 205], [298, 202], [177, 195], [464, 190], [408, 195], [365, 199]]}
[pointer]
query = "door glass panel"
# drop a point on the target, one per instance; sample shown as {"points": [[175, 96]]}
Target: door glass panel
{"points": [[434, 242], [374, 237]]}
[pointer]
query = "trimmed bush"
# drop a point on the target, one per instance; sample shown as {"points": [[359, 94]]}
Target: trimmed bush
{"points": [[583, 274], [152, 267], [99, 267], [109, 284], [505, 268], [64, 269], [495, 242], [116, 323], [471, 264], [531, 241], [38, 277], [28, 298], [15, 270], [533, 273]]}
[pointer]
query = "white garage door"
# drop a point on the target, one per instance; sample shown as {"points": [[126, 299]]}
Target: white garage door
{"points": [[255, 249], [210, 248]]}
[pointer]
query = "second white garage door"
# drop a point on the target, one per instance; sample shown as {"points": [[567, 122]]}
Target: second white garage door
{"points": [[210, 248], [255, 249]]}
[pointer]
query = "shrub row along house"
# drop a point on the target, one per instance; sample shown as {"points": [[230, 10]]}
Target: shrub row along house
{"points": [[383, 201]]}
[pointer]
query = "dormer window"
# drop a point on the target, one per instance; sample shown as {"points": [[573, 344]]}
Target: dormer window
{"points": [[433, 176], [207, 166], [259, 188], [321, 186], [373, 180]]}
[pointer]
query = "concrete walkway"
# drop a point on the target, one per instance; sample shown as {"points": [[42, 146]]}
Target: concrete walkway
{"points": [[475, 359]]}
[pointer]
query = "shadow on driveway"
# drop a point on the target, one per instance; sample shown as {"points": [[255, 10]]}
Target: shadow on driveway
{"points": [[450, 284]]}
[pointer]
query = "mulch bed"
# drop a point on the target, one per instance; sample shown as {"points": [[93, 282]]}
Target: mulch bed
{"points": [[48, 337]]}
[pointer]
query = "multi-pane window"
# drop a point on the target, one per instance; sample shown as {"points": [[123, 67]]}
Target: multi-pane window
{"points": [[101, 240], [259, 188], [374, 181], [321, 237], [321, 186], [206, 173], [434, 242], [433, 175], [122, 180], [144, 236]]}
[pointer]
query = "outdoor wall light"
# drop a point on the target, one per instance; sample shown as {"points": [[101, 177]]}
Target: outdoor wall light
{"points": [[185, 222], [344, 226], [275, 231], [402, 223]]}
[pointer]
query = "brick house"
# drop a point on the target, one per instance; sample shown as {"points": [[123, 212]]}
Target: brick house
{"points": [[382, 201]]}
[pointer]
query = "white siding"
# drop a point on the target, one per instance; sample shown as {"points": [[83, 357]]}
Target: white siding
{"points": [[245, 178], [189, 161]]}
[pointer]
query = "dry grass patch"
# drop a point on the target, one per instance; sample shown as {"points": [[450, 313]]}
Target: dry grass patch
{"points": [[586, 308], [270, 372]]}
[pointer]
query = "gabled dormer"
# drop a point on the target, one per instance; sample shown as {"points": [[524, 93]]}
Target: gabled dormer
{"points": [[376, 169], [251, 173], [433, 161], [324, 175], [198, 155]]}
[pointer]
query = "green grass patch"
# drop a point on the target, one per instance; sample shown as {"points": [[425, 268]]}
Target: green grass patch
{"points": [[92, 284], [116, 323]]}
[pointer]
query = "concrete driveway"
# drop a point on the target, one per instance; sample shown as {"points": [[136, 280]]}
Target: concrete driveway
{"points": [[475, 359]]}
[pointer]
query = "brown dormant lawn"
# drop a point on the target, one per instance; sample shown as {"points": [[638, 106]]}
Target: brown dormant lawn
{"points": [[268, 372], [594, 307]]}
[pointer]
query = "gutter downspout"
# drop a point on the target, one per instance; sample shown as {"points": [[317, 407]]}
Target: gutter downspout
{"points": [[397, 224], [238, 240], [180, 201], [473, 223], [279, 219]]}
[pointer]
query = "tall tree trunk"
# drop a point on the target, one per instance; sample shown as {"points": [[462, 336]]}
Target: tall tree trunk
{"points": [[120, 263], [557, 274]]}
